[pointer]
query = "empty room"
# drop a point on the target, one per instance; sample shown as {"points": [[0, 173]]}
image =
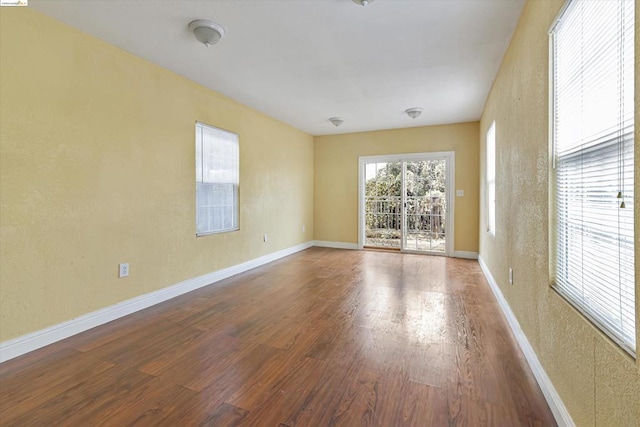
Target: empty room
{"points": [[319, 213]]}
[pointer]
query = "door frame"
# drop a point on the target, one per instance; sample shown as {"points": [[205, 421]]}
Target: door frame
{"points": [[449, 156]]}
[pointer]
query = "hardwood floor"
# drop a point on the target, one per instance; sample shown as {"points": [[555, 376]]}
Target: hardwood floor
{"points": [[321, 338]]}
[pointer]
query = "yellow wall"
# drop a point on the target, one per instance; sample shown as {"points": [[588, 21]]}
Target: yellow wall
{"points": [[97, 168], [599, 384], [336, 176]]}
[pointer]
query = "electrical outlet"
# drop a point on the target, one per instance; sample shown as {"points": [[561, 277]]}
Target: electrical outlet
{"points": [[510, 276], [304, 228], [124, 270], [459, 193], [265, 237]]}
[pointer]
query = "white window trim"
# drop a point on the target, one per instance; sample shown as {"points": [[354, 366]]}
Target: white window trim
{"points": [[236, 211], [490, 203], [553, 220]]}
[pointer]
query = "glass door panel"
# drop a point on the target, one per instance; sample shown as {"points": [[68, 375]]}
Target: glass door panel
{"points": [[383, 204], [425, 206]]}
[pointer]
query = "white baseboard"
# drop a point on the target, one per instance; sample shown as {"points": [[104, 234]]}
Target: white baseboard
{"points": [[556, 405], [336, 245], [465, 254], [29, 342]]}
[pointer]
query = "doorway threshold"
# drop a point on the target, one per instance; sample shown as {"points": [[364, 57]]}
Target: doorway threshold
{"points": [[382, 249]]}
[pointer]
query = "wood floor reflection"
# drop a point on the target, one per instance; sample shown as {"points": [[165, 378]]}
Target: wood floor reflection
{"points": [[324, 337]]}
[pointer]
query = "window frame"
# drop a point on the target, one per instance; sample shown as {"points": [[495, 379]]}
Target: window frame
{"points": [[235, 218], [490, 181], [596, 319]]}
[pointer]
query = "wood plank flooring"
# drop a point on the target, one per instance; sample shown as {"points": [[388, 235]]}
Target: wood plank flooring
{"points": [[324, 337]]}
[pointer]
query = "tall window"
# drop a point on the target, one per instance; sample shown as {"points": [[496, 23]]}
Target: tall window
{"points": [[592, 127], [217, 175], [491, 179]]}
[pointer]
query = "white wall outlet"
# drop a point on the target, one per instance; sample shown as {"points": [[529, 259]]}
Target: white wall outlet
{"points": [[510, 276], [123, 270], [304, 228], [459, 193], [265, 237]]}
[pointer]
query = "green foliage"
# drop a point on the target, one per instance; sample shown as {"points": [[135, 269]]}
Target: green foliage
{"points": [[425, 187]]}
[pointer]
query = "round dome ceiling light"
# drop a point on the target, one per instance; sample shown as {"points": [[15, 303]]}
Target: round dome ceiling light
{"points": [[413, 112], [336, 121], [363, 2], [207, 32]]}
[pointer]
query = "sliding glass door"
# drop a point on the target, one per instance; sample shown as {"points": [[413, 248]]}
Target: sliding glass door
{"points": [[425, 206], [383, 201], [404, 203]]}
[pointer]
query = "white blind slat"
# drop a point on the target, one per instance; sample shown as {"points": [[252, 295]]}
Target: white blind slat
{"points": [[593, 135], [217, 179], [491, 178]]}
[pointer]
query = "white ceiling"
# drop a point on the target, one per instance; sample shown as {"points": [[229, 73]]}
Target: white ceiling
{"points": [[303, 61]]}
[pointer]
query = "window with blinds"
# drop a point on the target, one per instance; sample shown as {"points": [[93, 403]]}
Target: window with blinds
{"points": [[217, 178], [592, 113], [491, 179]]}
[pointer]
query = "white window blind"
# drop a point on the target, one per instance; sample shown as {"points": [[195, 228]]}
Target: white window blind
{"points": [[592, 127], [217, 177], [491, 179]]}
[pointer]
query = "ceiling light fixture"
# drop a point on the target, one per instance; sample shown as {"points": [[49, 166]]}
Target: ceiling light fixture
{"points": [[336, 121], [363, 2], [207, 32], [413, 112]]}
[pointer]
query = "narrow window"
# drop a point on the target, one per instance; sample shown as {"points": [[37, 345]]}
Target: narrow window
{"points": [[592, 112], [491, 179], [217, 176]]}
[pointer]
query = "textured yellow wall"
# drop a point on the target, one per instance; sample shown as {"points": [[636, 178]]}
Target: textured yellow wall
{"points": [[97, 168], [336, 176], [599, 384]]}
